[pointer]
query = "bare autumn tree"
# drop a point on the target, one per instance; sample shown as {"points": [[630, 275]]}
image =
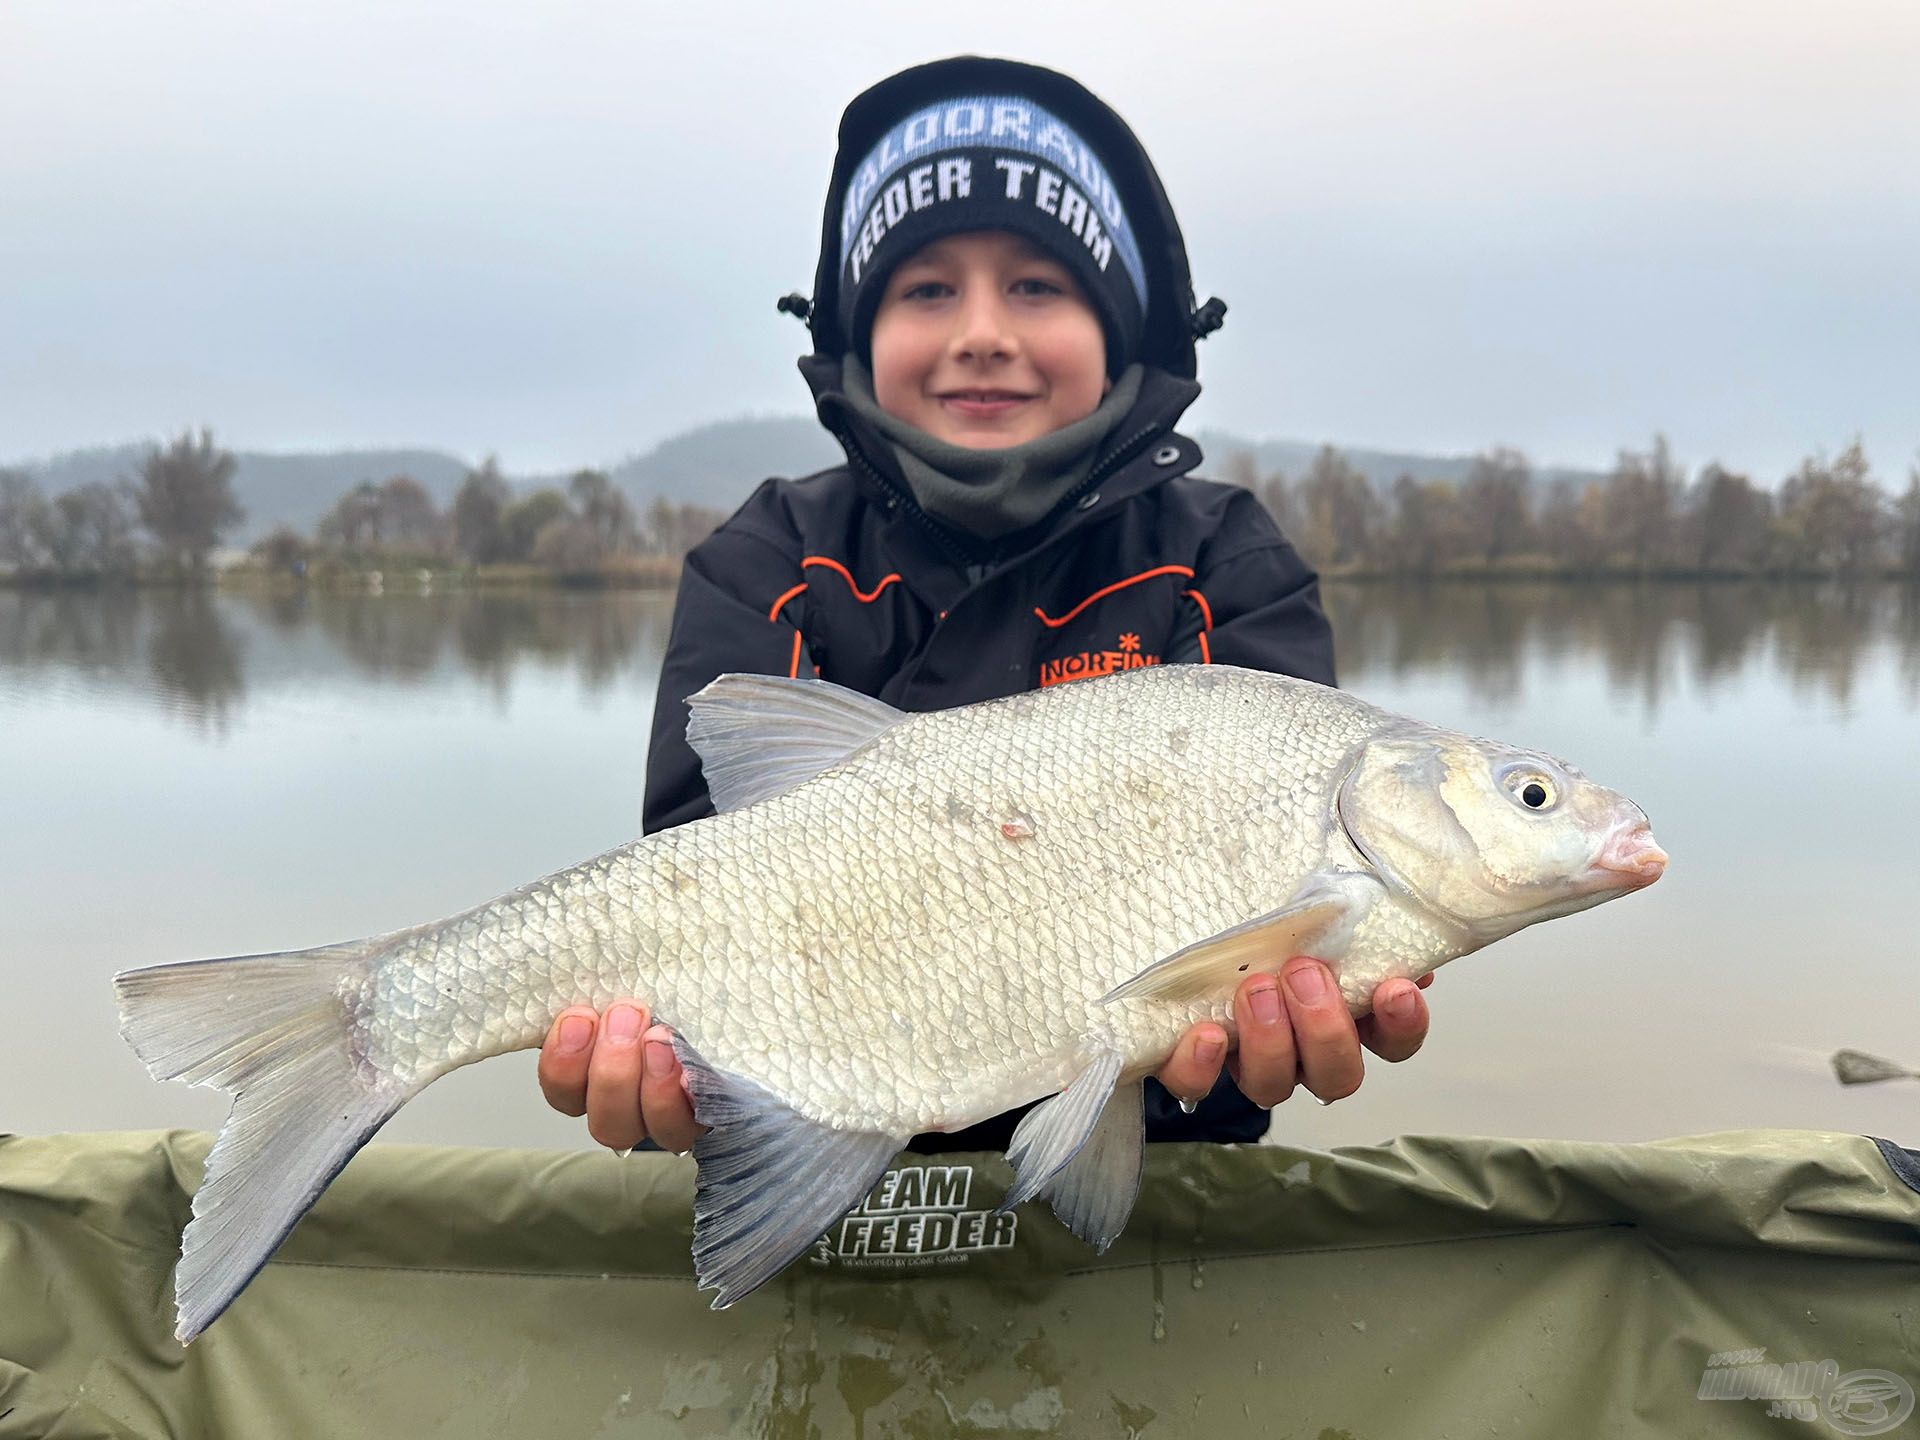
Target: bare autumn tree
{"points": [[1909, 541], [354, 521], [1728, 523], [1496, 505], [1832, 515], [185, 497], [522, 522], [1569, 525], [22, 510], [88, 531], [1423, 525], [408, 517], [1341, 512], [603, 509], [482, 498], [1637, 506]]}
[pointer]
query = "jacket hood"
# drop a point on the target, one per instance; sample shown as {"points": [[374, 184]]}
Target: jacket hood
{"points": [[1172, 323]]}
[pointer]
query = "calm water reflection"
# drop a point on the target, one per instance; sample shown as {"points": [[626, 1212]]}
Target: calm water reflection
{"points": [[190, 773]]}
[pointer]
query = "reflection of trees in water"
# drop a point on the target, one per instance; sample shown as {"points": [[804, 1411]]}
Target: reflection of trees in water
{"points": [[1645, 635], [604, 634], [86, 630], [1906, 639], [194, 657], [487, 634], [188, 646], [396, 637]]}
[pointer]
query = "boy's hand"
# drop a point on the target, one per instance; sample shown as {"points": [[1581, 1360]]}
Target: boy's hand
{"points": [[621, 1073], [1295, 1029]]}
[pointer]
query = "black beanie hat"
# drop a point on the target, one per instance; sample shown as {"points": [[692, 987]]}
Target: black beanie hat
{"points": [[990, 159], [1172, 322]]}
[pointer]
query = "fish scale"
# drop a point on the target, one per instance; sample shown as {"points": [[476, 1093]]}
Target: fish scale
{"points": [[901, 923]]}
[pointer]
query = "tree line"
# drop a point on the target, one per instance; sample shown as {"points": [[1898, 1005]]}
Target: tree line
{"points": [[1646, 516], [588, 527], [175, 511], [171, 514]]}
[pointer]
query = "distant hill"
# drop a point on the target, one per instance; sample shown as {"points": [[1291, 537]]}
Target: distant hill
{"points": [[714, 464], [1381, 467], [720, 463]]}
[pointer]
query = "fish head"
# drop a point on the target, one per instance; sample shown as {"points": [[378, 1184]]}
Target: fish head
{"points": [[1493, 837]]}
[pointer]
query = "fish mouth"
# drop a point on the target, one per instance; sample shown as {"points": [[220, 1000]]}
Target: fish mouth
{"points": [[1630, 858]]}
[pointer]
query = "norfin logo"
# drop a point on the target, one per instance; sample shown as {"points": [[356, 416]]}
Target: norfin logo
{"points": [[1089, 663]]}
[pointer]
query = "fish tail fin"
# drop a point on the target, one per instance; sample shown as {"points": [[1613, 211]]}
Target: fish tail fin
{"points": [[277, 1033]]}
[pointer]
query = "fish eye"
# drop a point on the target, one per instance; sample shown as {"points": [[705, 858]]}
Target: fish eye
{"points": [[1532, 789]]}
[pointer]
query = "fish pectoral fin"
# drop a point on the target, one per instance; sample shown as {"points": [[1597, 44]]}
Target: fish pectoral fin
{"points": [[1318, 920], [1054, 1131], [1094, 1194], [760, 735], [770, 1182]]}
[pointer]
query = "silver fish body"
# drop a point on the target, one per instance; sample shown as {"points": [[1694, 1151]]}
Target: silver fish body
{"points": [[902, 923]]}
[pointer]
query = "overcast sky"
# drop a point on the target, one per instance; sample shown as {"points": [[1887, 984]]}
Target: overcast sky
{"points": [[555, 230]]}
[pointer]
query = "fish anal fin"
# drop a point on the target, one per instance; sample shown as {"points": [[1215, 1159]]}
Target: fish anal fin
{"points": [[1319, 920], [761, 735], [1094, 1193], [1053, 1132], [770, 1181]]}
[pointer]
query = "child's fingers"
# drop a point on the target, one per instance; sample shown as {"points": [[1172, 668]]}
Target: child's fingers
{"points": [[564, 1057], [1398, 1025], [664, 1105], [1323, 1030], [613, 1078], [1265, 1063], [1194, 1066]]}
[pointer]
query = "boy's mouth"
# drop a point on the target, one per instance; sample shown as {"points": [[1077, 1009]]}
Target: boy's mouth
{"points": [[982, 404]]}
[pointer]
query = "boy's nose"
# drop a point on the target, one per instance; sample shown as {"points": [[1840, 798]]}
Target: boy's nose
{"points": [[982, 331]]}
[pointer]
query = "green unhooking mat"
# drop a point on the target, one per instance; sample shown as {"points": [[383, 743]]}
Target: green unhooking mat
{"points": [[1761, 1283]]}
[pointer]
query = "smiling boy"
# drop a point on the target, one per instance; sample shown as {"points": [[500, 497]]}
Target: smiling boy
{"points": [[1003, 339]]}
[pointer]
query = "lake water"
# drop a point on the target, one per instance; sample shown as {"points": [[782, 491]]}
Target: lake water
{"points": [[190, 774]]}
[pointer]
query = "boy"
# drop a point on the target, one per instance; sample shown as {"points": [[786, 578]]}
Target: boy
{"points": [[1003, 331]]}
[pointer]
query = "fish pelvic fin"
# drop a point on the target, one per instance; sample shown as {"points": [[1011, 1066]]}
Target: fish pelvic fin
{"points": [[761, 735], [1318, 919], [275, 1032], [1054, 1131], [1094, 1192], [770, 1182]]}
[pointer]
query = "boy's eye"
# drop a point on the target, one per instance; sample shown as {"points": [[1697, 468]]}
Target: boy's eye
{"points": [[926, 290], [1035, 285]]}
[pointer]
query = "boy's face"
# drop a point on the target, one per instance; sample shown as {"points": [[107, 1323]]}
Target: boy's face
{"points": [[984, 340]]}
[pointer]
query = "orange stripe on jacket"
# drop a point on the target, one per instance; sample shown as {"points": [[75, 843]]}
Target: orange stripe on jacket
{"points": [[865, 597], [1105, 590], [1206, 624]]}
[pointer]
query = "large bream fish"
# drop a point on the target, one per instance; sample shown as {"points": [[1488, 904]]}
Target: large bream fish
{"points": [[901, 923]]}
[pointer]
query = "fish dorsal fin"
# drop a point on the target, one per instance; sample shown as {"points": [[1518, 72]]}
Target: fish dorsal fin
{"points": [[1318, 920], [760, 735]]}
